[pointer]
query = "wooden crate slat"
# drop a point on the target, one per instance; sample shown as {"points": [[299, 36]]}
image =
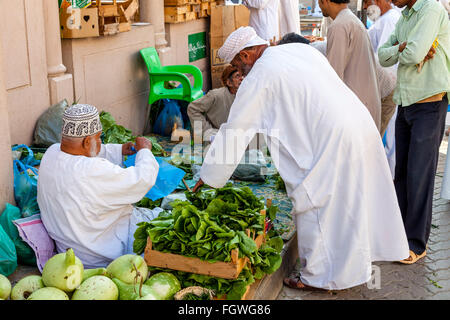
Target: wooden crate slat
{"points": [[175, 18], [176, 10], [175, 2]]}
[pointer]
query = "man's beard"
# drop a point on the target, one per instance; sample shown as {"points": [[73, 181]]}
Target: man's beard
{"points": [[93, 150]]}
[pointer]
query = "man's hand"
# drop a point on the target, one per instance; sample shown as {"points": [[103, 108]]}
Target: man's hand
{"points": [[402, 47], [128, 149], [430, 54], [143, 143], [198, 185]]}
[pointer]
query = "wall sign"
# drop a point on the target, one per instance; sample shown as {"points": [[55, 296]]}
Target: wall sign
{"points": [[197, 46]]}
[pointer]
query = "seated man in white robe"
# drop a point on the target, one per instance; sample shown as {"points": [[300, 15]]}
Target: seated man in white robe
{"points": [[86, 196], [327, 150]]}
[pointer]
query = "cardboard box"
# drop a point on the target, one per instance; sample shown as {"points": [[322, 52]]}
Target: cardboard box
{"points": [[79, 23], [224, 20], [216, 75]]}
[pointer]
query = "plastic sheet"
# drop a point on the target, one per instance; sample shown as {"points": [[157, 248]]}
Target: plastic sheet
{"points": [[167, 180]]}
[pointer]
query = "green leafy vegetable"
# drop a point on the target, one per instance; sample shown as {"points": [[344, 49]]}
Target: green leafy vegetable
{"points": [[115, 133], [233, 289]]}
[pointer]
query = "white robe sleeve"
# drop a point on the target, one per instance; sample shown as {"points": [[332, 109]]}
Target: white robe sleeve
{"points": [[245, 120], [257, 4], [111, 152], [117, 186]]}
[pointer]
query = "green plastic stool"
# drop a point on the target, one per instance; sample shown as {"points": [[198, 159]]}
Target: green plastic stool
{"points": [[159, 74]]}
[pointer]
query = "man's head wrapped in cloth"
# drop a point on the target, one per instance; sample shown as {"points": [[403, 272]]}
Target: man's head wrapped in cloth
{"points": [[242, 48], [81, 130]]}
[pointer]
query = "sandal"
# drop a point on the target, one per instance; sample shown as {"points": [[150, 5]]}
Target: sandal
{"points": [[294, 282], [413, 257]]}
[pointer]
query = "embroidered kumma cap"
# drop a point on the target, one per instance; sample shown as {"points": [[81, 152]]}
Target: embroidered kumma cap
{"points": [[81, 120], [237, 41]]}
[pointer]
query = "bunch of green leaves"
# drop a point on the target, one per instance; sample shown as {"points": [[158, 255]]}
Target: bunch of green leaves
{"points": [[157, 149], [212, 231], [233, 289], [193, 296], [268, 257], [279, 183], [115, 133], [194, 233], [148, 203], [243, 197]]}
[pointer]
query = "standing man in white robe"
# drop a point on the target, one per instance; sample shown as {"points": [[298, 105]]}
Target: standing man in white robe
{"points": [[264, 18], [350, 54], [84, 194], [289, 17], [384, 23], [326, 148]]}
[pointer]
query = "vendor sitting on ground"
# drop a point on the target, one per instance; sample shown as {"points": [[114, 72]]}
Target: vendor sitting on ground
{"points": [[84, 194], [213, 108]]}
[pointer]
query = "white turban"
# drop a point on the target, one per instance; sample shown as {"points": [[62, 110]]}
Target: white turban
{"points": [[237, 41]]}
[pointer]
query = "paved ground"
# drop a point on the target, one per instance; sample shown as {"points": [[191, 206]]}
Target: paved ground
{"points": [[427, 279]]}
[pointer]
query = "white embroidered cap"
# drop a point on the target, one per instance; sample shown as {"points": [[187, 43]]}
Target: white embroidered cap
{"points": [[238, 40], [81, 120]]}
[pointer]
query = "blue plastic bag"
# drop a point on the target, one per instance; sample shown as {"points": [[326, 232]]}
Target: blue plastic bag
{"points": [[169, 115], [167, 180], [28, 160], [25, 188], [8, 255]]}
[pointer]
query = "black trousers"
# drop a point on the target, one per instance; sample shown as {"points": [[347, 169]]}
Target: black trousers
{"points": [[419, 130]]}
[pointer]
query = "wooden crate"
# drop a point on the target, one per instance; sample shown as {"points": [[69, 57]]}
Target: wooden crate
{"points": [[175, 2], [116, 17], [173, 11], [225, 270], [178, 18], [224, 20]]}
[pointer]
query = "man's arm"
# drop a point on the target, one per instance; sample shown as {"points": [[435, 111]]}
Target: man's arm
{"points": [[388, 53], [119, 186], [246, 118], [421, 38], [111, 152], [197, 109]]}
